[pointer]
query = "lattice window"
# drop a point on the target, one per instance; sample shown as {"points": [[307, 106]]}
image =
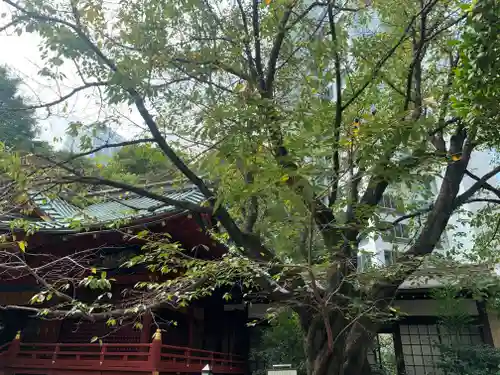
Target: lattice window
{"points": [[420, 352]]}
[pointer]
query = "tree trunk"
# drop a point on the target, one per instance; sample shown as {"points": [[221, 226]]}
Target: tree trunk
{"points": [[341, 358]]}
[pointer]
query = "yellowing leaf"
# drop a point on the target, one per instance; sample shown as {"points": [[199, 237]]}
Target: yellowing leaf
{"points": [[99, 165], [22, 245], [455, 157], [239, 87], [285, 178], [93, 270], [267, 2]]}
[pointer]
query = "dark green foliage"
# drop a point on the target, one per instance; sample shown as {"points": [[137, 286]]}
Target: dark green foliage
{"points": [[282, 343], [141, 160], [469, 360], [477, 73], [17, 125], [455, 357]]}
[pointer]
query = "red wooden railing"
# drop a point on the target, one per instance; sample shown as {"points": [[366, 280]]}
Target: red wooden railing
{"points": [[151, 358]]}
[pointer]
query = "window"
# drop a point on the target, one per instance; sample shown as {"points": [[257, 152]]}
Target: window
{"points": [[401, 231], [398, 232], [389, 257], [388, 201], [364, 261], [418, 342]]}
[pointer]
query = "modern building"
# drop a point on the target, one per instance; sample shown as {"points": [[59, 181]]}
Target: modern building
{"points": [[380, 250], [99, 137]]}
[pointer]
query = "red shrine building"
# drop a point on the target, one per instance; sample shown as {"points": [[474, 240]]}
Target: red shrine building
{"points": [[210, 331]]}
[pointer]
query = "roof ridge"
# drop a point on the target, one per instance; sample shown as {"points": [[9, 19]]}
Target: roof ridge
{"points": [[144, 186], [61, 213]]}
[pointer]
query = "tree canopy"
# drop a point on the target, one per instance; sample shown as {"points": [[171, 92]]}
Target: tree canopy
{"points": [[301, 116], [17, 124]]}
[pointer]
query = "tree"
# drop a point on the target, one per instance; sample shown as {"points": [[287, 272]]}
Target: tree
{"points": [[278, 344], [294, 180], [17, 124], [142, 161]]}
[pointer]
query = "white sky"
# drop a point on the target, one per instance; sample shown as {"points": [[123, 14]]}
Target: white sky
{"points": [[21, 55]]}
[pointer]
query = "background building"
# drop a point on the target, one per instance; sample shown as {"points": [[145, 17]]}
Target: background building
{"points": [[99, 136]]}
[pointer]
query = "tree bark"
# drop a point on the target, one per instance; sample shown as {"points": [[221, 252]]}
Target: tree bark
{"points": [[325, 357]]}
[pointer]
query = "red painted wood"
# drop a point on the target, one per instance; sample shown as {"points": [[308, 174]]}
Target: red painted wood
{"points": [[90, 359]]}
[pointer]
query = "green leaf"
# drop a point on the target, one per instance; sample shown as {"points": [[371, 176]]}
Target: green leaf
{"points": [[111, 322]]}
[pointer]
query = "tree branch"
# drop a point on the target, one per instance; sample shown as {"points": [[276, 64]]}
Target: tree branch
{"points": [[465, 196], [64, 97], [257, 46], [105, 146], [137, 190], [275, 50], [251, 244], [431, 36], [253, 69], [412, 215], [485, 185], [338, 108], [79, 178], [12, 23], [216, 64], [437, 135]]}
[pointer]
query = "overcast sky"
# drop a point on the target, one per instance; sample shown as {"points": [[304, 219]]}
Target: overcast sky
{"points": [[21, 55]]}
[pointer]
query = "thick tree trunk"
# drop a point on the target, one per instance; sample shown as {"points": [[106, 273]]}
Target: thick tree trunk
{"points": [[341, 358]]}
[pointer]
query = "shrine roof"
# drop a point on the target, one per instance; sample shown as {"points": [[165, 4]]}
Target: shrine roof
{"points": [[57, 213]]}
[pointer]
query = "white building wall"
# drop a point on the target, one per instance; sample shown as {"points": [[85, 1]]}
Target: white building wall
{"points": [[460, 235], [101, 138]]}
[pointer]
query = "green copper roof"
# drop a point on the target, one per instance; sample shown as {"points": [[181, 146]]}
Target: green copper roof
{"points": [[61, 214]]}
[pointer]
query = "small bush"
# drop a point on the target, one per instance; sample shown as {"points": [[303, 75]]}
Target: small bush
{"points": [[459, 359]]}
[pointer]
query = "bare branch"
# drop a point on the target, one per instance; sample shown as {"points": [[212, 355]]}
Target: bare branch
{"points": [[105, 146], [485, 185], [216, 64], [338, 108], [412, 215], [137, 190], [64, 97], [465, 196], [12, 23]]}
